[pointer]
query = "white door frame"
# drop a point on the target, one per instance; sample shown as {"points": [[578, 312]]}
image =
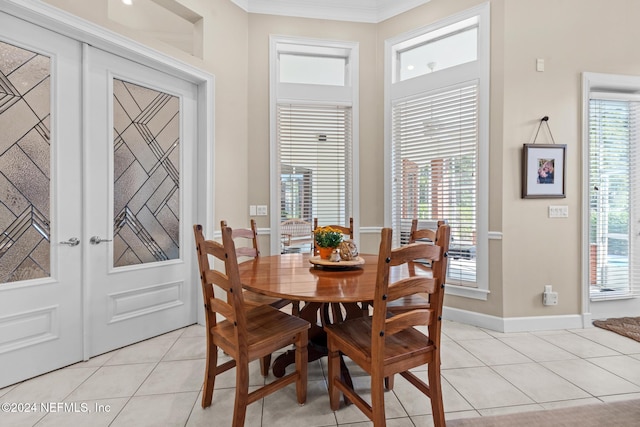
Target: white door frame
{"points": [[599, 309], [81, 30]]}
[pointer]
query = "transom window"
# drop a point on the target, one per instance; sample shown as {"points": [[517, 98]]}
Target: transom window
{"points": [[437, 50], [315, 70]]}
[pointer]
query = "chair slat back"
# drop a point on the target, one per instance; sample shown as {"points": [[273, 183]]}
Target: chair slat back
{"points": [[250, 234], [432, 284], [436, 237], [410, 286], [427, 234], [402, 321], [228, 281], [430, 252]]}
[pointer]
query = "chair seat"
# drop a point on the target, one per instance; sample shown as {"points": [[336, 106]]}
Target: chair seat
{"points": [[355, 335], [267, 329]]}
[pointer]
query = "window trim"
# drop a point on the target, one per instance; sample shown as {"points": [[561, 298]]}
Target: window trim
{"points": [[347, 95], [481, 69]]}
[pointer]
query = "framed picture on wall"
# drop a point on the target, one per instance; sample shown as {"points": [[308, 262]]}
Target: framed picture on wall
{"points": [[543, 171]]}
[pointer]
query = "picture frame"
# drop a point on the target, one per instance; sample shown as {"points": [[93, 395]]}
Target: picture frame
{"points": [[544, 171]]}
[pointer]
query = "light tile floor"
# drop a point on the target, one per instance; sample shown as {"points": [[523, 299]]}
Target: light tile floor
{"points": [[158, 382]]}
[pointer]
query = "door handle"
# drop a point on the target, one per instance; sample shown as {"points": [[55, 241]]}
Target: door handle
{"points": [[96, 240], [71, 242]]}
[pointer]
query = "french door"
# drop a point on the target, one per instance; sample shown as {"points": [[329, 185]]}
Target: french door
{"points": [[97, 175], [140, 176], [40, 201]]}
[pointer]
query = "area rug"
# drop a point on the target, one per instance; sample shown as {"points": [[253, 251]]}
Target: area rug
{"points": [[627, 326], [618, 414]]}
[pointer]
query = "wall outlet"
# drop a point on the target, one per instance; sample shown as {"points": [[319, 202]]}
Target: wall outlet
{"points": [[550, 298], [261, 210]]}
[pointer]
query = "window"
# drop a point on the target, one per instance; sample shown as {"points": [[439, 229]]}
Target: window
{"points": [[313, 88], [438, 139], [435, 160], [314, 143], [439, 49], [315, 70], [613, 138]]}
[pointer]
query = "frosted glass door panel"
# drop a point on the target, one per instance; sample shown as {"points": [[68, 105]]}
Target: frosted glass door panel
{"points": [[146, 175], [24, 164]]}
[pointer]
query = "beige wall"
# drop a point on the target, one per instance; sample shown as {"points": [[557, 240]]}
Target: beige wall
{"points": [[572, 36]]}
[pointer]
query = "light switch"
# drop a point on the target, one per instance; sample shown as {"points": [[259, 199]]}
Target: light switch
{"points": [[252, 210], [539, 64], [558, 211], [261, 210]]}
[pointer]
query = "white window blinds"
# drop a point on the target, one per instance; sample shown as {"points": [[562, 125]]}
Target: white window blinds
{"points": [[315, 160], [435, 155], [614, 256]]}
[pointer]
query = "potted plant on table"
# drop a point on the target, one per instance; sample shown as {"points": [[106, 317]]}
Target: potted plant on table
{"points": [[327, 239]]}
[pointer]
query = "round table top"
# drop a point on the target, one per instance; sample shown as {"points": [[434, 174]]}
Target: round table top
{"points": [[293, 277]]}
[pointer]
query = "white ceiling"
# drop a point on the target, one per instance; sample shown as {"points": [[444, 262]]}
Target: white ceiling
{"points": [[342, 10]]}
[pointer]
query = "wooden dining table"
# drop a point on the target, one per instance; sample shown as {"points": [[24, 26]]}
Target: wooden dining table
{"points": [[294, 277], [318, 291], [327, 293]]}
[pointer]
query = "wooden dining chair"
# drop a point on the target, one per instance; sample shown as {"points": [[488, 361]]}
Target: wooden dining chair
{"points": [[417, 301], [245, 334], [347, 231], [337, 310], [252, 299], [252, 250], [383, 345]]}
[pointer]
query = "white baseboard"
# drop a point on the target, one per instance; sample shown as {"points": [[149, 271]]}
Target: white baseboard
{"points": [[516, 324]]}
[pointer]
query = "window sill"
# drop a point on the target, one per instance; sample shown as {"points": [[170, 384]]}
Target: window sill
{"points": [[611, 297], [467, 292]]}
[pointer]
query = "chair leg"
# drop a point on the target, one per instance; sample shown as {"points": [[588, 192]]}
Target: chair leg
{"points": [[377, 401], [364, 306], [242, 394], [435, 387], [388, 382], [302, 358], [265, 362], [295, 308], [345, 376], [209, 374], [334, 374]]}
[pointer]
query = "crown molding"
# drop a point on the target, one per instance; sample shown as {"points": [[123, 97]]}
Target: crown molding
{"points": [[390, 8], [368, 11]]}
